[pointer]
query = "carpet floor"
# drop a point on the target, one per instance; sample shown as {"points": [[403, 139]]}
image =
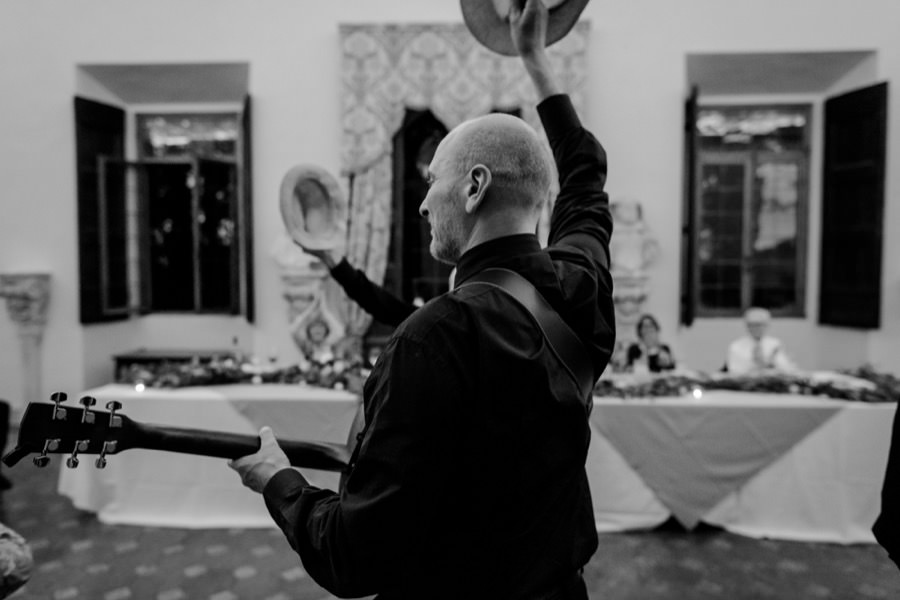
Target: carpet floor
{"points": [[79, 558]]}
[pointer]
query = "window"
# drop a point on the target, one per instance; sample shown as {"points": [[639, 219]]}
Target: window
{"points": [[188, 165], [750, 204], [171, 230]]}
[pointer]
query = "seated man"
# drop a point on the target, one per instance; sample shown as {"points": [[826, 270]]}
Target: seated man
{"points": [[757, 351]]}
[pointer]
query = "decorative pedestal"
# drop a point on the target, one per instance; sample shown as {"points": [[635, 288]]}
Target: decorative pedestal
{"points": [[314, 320], [633, 248], [27, 296]]}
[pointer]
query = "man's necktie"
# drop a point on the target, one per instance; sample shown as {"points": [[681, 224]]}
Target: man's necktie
{"points": [[759, 360]]}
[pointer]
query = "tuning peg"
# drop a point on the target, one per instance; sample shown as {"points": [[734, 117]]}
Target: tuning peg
{"points": [[59, 414], [88, 415], [80, 446], [112, 406], [100, 463], [50, 445]]}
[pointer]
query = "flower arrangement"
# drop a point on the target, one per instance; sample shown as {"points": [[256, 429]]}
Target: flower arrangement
{"points": [[863, 384], [331, 373]]}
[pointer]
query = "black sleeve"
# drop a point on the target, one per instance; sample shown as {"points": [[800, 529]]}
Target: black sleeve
{"points": [[581, 218], [634, 353], [359, 542], [374, 299], [887, 526]]}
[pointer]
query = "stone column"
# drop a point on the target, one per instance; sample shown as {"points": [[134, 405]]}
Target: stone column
{"points": [[27, 296]]}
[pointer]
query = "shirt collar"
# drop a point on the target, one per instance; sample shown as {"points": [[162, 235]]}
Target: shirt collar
{"points": [[494, 253]]}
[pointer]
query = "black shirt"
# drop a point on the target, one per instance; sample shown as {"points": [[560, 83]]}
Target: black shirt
{"points": [[469, 478]]}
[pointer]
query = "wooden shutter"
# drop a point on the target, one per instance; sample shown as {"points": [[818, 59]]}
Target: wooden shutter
{"points": [[103, 273], [244, 301], [688, 214], [853, 208]]}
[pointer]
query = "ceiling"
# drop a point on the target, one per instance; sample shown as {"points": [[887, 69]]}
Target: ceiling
{"points": [[173, 83], [771, 73]]}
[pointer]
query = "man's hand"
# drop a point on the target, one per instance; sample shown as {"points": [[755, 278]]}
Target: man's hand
{"points": [[329, 257], [257, 469], [528, 26]]}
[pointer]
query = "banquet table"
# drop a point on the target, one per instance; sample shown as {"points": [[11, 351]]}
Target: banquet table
{"points": [[157, 488], [763, 465]]}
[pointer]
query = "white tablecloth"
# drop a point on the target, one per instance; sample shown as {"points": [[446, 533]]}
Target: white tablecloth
{"points": [[143, 487], [824, 487]]}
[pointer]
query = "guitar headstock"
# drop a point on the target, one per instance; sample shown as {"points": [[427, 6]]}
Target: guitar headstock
{"points": [[57, 429]]}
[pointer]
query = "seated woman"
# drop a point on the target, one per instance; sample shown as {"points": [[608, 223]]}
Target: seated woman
{"points": [[648, 353]]}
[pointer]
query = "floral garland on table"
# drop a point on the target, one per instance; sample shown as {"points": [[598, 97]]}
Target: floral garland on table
{"points": [[334, 373], [863, 384]]}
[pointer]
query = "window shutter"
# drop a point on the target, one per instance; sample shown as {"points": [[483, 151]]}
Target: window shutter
{"points": [[853, 208], [244, 300], [100, 132], [688, 219]]}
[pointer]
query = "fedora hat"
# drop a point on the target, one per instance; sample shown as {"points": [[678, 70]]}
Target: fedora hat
{"points": [[313, 208], [488, 21]]}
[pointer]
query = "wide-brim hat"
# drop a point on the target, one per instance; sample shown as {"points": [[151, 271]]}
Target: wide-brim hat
{"points": [[313, 208], [488, 21]]}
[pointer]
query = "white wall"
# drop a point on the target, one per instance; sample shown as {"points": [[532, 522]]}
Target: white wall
{"points": [[636, 86]]}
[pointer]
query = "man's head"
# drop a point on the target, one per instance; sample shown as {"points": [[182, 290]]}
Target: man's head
{"points": [[757, 322], [489, 177]]}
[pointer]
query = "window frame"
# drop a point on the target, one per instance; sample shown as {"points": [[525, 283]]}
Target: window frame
{"points": [[140, 284], [750, 155]]}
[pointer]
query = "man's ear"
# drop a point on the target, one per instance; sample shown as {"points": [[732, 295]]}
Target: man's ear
{"points": [[478, 182]]}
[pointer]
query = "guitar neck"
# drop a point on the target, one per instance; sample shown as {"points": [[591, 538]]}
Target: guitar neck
{"points": [[312, 455]]}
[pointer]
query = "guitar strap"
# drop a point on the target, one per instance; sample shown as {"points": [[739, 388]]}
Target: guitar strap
{"points": [[564, 342]]}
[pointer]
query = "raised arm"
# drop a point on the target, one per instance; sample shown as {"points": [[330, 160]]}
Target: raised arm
{"points": [[581, 218], [374, 299]]}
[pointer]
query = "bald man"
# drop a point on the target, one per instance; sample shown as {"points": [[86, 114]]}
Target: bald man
{"points": [[469, 479]]}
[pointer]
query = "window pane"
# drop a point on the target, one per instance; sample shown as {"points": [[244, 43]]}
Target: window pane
{"points": [[775, 243], [217, 232], [722, 212], [721, 298], [184, 135], [171, 237], [116, 229], [781, 126], [720, 275]]}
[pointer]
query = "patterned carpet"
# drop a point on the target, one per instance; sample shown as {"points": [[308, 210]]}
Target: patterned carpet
{"points": [[78, 558]]}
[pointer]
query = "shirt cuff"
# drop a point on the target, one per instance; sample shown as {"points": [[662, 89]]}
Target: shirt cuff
{"points": [[286, 483], [558, 115], [343, 271]]}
